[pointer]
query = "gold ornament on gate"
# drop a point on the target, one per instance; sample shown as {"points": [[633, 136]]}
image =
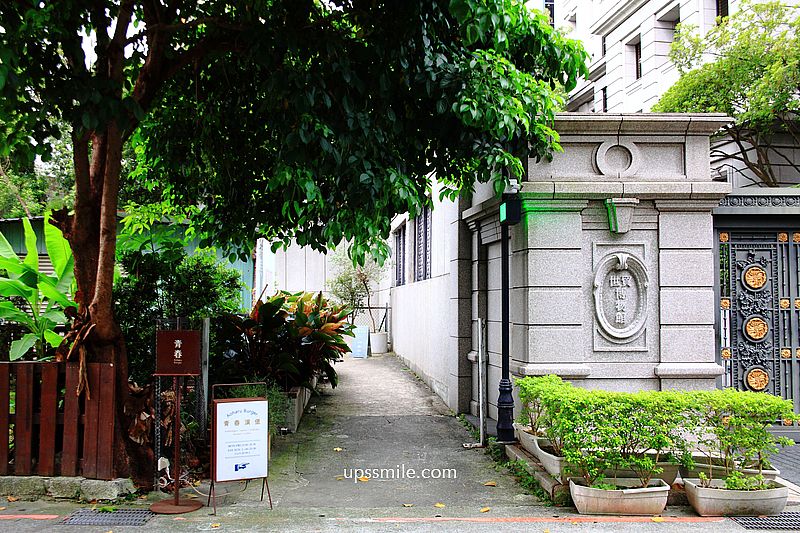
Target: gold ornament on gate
{"points": [[725, 303], [783, 237], [757, 379], [785, 304], [796, 237], [755, 277], [786, 353], [726, 353], [756, 328], [788, 422], [724, 237]]}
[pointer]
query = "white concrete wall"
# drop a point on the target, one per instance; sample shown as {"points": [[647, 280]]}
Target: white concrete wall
{"points": [[430, 318]]}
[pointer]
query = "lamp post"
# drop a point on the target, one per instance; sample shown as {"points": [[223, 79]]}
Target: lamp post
{"points": [[510, 214]]}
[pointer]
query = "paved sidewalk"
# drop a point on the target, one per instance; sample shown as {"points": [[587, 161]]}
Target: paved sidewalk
{"points": [[380, 417]]}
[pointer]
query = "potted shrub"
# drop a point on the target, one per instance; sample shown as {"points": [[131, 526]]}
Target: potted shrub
{"points": [[291, 339], [733, 429], [539, 428], [652, 426], [713, 456], [598, 444], [353, 285]]}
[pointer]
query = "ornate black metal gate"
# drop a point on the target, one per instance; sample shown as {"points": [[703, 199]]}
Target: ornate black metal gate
{"points": [[759, 301]]}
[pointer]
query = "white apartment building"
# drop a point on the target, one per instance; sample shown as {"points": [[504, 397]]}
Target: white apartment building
{"points": [[629, 68], [629, 43]]}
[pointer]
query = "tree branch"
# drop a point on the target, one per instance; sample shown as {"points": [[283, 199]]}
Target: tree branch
{"points": [[170, 28]]}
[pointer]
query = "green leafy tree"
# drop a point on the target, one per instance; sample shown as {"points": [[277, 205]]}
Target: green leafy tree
{"points": [[353, 284], [754, 77], [288, 119], [31, 298]]}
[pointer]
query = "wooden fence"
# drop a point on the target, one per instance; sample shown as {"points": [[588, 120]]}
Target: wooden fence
{"points": [[48, 430]]}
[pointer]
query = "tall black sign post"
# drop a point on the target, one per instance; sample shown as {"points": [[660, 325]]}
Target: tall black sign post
{"points": [[177, 355], [510, 214]]}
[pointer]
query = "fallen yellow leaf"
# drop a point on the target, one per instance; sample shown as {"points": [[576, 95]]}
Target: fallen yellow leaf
{"points": [[339, 478], [490, 484], [2, 508], [408, 505], [214, 526], [337, 449], [12, 498], [657, 519], [438, 505], [363, 479], [486, 509]]}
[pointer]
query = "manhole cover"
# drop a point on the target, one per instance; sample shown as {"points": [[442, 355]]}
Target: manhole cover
{"points": [[780, 522], [117, 517]]}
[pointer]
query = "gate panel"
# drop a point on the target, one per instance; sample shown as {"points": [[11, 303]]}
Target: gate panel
{"points": [[759, 304]]}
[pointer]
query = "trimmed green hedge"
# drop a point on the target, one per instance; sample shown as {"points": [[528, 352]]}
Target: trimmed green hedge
{"points": [[599, 431]]}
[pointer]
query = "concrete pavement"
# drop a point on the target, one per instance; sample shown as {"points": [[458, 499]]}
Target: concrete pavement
{"points": [[381, 424]]}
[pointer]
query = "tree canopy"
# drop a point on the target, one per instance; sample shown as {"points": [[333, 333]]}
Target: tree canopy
{"points": [[304, 119], [753, 76], [313, 120]]}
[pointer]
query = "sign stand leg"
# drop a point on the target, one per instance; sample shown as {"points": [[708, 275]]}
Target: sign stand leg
{"points": [[175, 505], [212, 493], [265, 484]]}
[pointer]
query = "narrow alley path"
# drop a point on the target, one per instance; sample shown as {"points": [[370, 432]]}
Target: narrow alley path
{"points": [[383, 418]]}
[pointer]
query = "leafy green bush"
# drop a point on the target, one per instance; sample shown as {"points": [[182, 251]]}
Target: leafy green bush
{"points": [[732, 427], [598, 432], [166, 283], [278, 402], [290, 338], [535, 393]]}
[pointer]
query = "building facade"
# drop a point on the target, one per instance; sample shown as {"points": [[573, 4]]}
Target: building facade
{"points": [[629, 68]]}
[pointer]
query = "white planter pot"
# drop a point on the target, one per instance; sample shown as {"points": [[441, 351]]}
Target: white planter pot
{"points": [[723, 502], [554, 465], [649, 500], [718, 471], [379, 342]]}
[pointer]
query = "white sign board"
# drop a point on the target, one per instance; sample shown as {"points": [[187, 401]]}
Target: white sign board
{"points": [[360, 342], [241, 439]]}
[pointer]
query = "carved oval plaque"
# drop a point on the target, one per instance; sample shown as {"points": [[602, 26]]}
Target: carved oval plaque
{"points": [[620, 297]]}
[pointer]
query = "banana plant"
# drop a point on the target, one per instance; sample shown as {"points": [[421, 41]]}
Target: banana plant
{"points": [[31, 298]]}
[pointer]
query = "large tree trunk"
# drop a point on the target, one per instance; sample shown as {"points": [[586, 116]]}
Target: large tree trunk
{"points": [[92, 234]]}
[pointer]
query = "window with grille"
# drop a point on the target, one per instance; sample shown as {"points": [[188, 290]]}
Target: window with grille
{"points": [[400, 255], [550, 7], [604, 94], [422, 245], [722, 8], [637, 53]]}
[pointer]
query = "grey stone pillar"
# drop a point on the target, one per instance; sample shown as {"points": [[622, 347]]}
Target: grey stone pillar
{"points": [[613, 264]]}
